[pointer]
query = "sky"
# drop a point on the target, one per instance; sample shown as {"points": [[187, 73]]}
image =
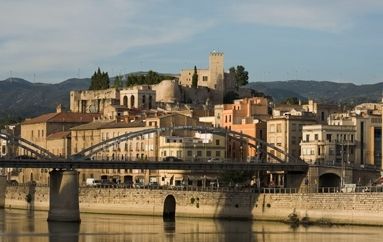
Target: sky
{"points": [[275, 40]]}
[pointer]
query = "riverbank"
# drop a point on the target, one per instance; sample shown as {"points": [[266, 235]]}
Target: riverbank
{"points": [[324, 208]]}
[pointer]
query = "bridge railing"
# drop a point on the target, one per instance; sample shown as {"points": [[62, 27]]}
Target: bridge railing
{"points": [[199, 188]]}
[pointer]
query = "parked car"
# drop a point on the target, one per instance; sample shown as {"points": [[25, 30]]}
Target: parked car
{"points": [[172, 159], [106, 183], [139, 185], [214, 160], [90, 182], [153, 185]]}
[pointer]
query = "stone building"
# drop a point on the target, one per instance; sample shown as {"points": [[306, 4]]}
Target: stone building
{"points": [[49, 131], [141, 148], [138, 97], [113, 103], [285, 132], [203, 147], [328, 144], [38, 129], [368, 134], [247, 116], [321, 111], [214, 77], [59, 143], [93, 101]]}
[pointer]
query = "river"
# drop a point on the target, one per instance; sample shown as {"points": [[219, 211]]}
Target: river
{"points": [[22, 226]]}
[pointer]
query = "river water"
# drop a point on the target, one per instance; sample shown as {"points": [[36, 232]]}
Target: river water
{"points": [[21, 225]]}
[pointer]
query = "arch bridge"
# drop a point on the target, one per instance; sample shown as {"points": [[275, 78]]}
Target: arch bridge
{"points": [[38, 151], [258, 144]]}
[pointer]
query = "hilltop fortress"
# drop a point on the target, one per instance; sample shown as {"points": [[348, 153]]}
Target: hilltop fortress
{"points": [[213, 84]]}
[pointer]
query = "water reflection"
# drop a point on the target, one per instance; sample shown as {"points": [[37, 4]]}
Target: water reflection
{"points": [[20, 226], [63, 231]]}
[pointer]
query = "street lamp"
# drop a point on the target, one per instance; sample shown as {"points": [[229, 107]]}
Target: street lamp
{"points": [[241, 152]]}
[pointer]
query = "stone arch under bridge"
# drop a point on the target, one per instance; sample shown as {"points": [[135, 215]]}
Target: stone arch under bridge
{"points": [[169, 211], [254, 142], [329, 180], [37, 151]]}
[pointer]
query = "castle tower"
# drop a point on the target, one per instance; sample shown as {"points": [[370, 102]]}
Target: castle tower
{"points": [[216, 73]]}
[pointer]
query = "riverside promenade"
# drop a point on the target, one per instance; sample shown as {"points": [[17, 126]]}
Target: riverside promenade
{"points": [[326, 207]]}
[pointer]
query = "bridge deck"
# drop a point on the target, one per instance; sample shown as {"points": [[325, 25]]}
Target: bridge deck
{"points": [[151, 165]]}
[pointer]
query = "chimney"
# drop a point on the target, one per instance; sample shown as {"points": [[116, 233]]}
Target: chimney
{"points": [[59, 108]]}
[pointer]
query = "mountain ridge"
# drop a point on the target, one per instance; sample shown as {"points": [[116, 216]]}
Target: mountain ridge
{"points": [[21, 98]]}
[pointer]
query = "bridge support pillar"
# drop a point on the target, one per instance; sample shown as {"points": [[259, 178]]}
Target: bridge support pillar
{"points": [[63, 196], [3, 187], [295, 180]]}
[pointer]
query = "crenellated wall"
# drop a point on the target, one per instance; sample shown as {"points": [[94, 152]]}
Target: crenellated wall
{"points": [[341, 208]]}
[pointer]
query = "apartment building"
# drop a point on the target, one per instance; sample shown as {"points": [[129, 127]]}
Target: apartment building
{"points": [[285, 132], [328, 144]]}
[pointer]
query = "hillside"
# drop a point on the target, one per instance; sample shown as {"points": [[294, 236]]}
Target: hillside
{"points": [[322, 91], [20, 98]]}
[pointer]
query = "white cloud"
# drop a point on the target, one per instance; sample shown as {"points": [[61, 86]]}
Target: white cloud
{"points": [[43, 35], [323, 15]]}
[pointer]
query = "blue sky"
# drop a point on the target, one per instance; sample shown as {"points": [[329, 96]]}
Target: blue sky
{"points": [[334, 40]]}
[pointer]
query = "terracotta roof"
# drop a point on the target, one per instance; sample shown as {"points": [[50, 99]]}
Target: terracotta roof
{"points": [[133, 124], [59, 135], [64, 117], [92, 125]]}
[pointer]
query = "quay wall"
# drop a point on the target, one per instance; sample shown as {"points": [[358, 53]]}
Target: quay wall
{"points": [[338, 208]]}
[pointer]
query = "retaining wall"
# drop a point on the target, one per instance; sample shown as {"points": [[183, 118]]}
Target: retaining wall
{"points": [[343, 208]]}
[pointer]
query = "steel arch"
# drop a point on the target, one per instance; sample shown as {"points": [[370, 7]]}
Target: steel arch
{"points": [[214, 130], [25, 144]]}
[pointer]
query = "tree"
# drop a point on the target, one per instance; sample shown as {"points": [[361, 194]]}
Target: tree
{"points": [[239, 76], [195, 78], [291, 101], [99, 80], [118, 81]]}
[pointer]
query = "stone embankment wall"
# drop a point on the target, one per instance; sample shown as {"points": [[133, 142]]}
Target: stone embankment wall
{"points": [[341, 208]]}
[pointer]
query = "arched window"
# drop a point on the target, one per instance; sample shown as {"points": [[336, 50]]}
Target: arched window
{"points": [[150, 101], [125, 101], [132, 101]]}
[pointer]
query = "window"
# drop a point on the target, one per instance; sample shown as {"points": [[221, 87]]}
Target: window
{"points": [[316, 137], [204, 78], [311, 151], [272, 128], [218, 153], [208, 153], [279, 128], [328, 137], [307, 137], [199, 153], [189, 153], [217, 142]]}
